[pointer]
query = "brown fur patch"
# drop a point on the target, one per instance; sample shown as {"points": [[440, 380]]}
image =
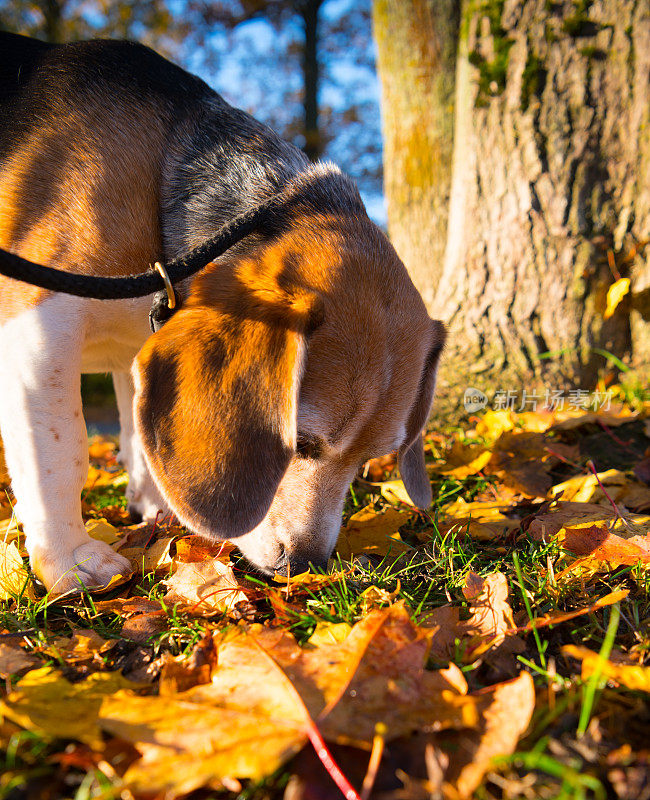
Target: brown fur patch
{"points": [[216, 401], [82, 202]]}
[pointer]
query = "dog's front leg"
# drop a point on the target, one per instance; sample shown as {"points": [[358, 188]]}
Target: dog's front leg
{"points": [[144, 498], [45, 443]]}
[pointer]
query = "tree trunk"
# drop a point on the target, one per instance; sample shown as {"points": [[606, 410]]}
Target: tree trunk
{"points": [[309, 12], [416, 43], [52, 19], [551, 193]]}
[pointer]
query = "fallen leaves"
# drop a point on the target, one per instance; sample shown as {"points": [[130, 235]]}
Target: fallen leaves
{"points": [[14, 578], [561, 514], [14, 660], [482, 520], [373, 533], [48, 704], [615, 293], [505, 719], [208, 587], [490, 614], [631, 676], [258, 694], [215, 697], [604, 487]]}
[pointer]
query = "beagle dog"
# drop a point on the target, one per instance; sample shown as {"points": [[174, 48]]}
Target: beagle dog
{"points": [[293, 358]]}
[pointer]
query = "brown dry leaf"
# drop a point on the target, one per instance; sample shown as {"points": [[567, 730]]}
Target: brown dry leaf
{"points": [[390, 685], [207, 588], [631, 676], [127, 606], [46, 703], [244, 723], [522, 460], [14, 578], [483, 520], [442, 626], [10, 530], [375, 597], [374, 533], [508, 710], [187, 745], [191, 549], [84, 645], [377, 469], [575, 418], [329, 633], [558, 617], [601, 550], [491, 615], [13, 660], [142, 627], [536, 421], [600, 543], [642, 470], [490, 620], [636, 496], [101, 449], [251, 717], [563, 513], [306, 582], [585, 488], [183, 672]]}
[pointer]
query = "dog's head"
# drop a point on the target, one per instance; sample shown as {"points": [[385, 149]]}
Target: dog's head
{"points": [[284, 370]]}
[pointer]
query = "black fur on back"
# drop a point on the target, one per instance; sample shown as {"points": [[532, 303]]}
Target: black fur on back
{"points": [[220, 160]]}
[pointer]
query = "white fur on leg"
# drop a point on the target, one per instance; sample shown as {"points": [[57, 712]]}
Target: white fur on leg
{"points": [[142, 493], [46, 446]]}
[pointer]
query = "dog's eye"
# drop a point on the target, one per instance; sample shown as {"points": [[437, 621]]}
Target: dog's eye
{"points": [[308, 446]]}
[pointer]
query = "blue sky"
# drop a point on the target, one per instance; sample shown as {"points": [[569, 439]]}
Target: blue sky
{"points": [[243, 66]]}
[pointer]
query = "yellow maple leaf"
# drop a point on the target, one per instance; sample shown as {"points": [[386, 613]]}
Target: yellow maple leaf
{"points": [[630, 675], [14, 578], [493, 423], [46, 703], [102, 530], [372, 532], [155, 557], [615, 294]]}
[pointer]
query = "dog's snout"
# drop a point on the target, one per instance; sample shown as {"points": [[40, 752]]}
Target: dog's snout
{"points": [[293, 564]]}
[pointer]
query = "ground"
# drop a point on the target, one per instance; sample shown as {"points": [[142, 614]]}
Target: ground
{"points": [[490, 647]]}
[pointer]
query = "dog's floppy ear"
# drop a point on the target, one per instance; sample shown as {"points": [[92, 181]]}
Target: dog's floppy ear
{"points": [[410, 457], [216, 399]]}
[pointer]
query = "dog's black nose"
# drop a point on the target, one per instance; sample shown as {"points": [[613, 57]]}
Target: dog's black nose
{"points": [[292, 564], [135, 515]]}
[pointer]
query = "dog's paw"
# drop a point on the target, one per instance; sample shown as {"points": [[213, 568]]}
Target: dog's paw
{"points": [[93, 564]]}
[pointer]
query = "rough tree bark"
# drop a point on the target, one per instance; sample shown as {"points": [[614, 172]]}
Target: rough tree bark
{"points": [[550, 188], [550, 198], [416, 43]]}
